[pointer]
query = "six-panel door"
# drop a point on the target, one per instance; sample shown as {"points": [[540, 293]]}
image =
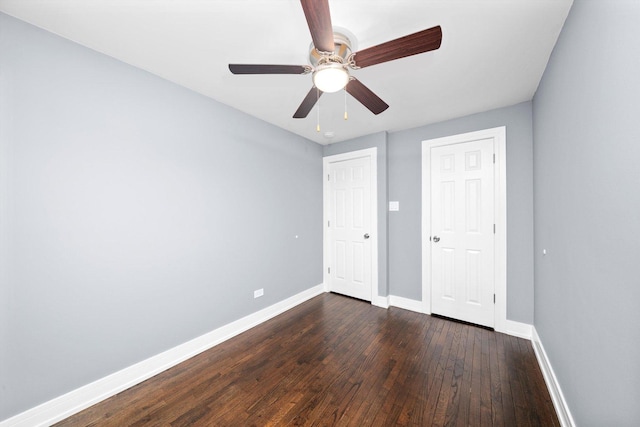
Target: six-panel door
{"points": [[349, 225], [462, 227]]}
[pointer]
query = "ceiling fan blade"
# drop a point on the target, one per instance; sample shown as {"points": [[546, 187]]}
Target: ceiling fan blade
{"points": [[366, 96], [308, 103], [413, 44], [267, 69], [319, 21]]}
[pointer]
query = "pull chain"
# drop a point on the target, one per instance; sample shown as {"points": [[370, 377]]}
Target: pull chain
{"points": [[346, 116]]}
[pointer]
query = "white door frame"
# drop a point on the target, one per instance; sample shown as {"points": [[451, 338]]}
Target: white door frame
{"points": [[500, 209], [372, 153]]}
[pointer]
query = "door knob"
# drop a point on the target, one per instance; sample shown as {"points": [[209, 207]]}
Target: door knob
{"points": [[366, 236], [436, 239]]}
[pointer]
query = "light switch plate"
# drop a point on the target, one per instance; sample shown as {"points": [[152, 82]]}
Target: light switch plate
{"points": [[394, 206]]}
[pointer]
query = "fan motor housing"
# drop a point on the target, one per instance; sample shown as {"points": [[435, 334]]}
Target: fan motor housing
{"points": [[340, 53]]}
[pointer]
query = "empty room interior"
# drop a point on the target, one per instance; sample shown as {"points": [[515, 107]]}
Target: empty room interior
{"points": [[198, 228]]}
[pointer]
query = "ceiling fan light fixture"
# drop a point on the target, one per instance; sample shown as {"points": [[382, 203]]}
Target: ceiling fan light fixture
{"points": [[330, 77]]}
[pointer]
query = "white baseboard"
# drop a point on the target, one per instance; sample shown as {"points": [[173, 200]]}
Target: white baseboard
{"points": [[68, 404], [380, 301], [517, 329], [562, 409], [406, 303]]}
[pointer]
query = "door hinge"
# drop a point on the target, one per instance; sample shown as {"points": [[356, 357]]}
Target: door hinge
{"points": [[329, 176], [494, 298], [494, 157], [494, 229], [329, 272], [328, 223]]}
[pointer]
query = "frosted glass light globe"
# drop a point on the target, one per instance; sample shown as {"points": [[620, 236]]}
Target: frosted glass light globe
{"points": [[330, 77]]}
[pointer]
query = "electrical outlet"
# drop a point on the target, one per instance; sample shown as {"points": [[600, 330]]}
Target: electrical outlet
{"points": [[258, 293]]}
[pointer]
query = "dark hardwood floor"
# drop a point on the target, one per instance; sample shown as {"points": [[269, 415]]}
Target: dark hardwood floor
{"points": [[338, 361]]}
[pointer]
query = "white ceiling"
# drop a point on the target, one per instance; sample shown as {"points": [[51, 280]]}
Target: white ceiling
{"points": [[493, 53]]}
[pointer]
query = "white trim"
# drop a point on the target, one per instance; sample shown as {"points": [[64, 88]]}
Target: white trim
{"points": [[513, 328], [372, 153], [380, 301], [517, 329], [68, 404], [500, 182], [406, 303], [559, 402]]}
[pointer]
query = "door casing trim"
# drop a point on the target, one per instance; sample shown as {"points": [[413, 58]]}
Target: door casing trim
{"points": [[500, 210], [372, 153]]}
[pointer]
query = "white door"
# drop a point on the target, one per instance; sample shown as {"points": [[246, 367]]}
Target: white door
{"points": [[462, 228], [349, 227]]}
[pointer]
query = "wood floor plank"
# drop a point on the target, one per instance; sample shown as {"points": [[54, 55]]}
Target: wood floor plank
{"points": [[446, 390], [497, 409], [440, 359], [411, 412], [517, 387], [459, 400], [334, 360], [486, 418], [504, 359]]}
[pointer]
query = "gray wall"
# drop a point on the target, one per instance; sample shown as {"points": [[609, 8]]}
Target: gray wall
{"points": [[587, 212], [378, 140], [136, 215], [405, 169]]}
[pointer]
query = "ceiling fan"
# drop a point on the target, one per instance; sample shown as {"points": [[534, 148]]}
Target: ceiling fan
{"points": [[331, 59]]}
